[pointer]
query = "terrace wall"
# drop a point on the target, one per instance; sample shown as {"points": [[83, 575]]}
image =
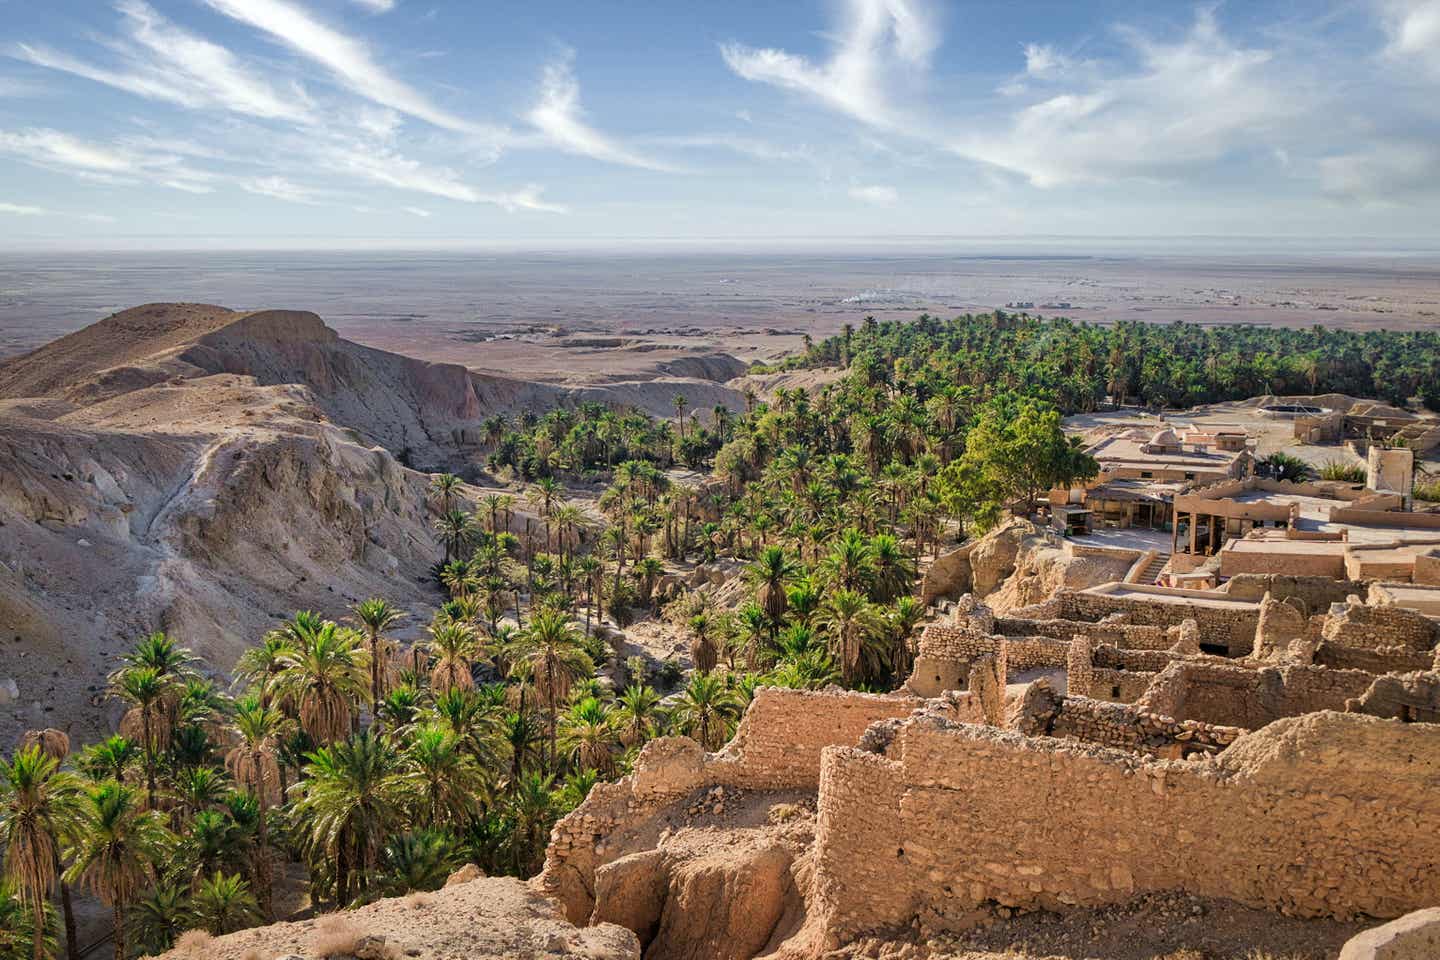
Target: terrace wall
{"points": [[1221, 625]]}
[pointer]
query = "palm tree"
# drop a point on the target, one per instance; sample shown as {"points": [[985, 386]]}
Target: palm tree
{"points": [[145, 689], [646, 572], [848, 619], [198, 788], [353, 795], [259, 665], [751, 631], [523, 741], [446, 782], [444, 487], [702, 647], [455, 528], [637, 715], [894, 573], [770, 572], [554, 656], [452, 645], [376, 616], [588, 736], [159, 916], [223, 903], [324, 676], [114, 848], [38, 804], [418, 860], [706, 710], [531, 810], [850, 563], [255, 764], [110, 759]]}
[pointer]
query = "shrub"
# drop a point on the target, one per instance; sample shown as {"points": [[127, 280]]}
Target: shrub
{"points": [[1343, 470], [1428, 491], [335, 936]]}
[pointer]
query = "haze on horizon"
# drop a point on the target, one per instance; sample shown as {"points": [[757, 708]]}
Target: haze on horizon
{"points": [[265, 123]]}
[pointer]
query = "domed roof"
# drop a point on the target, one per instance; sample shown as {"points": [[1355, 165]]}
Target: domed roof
{"points": [[1164, 437]]}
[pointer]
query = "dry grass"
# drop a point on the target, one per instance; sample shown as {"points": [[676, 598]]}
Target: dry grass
{"points": [[335, 935], [253, 954], [419, 901], [193, 944]]}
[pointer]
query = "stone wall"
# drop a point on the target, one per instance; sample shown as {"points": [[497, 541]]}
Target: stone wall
{"points": [[1034, 653], [1122, 726], [944, 655], [1377, 627], [1326, 815], [1239, 696], [1131, 636], [1227, 626], [1315, 593], [776, 748]]}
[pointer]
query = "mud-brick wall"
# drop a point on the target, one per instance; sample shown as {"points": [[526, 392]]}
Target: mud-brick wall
{"points": [[1126, 727], [1233, 628], [1120, 686], [1317, 593], [1343, 826]]}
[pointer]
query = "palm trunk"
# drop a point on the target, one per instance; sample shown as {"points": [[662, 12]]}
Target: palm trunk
{"points": [[67, 911], [38, 935], [149, 759], [120, 952], [262, 842], [342, 875]]}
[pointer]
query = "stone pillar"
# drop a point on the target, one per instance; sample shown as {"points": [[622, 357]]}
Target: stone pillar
{"points": [[1079, 667]]}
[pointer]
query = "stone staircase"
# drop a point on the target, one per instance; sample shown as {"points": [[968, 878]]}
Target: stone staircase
{"points": [[1152, 570]]}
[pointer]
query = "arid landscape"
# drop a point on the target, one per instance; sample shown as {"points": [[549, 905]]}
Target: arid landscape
{"points": [[829, 480]]}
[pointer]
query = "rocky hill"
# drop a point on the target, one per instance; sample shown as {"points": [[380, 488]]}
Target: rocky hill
{"points": [[204, 471]]}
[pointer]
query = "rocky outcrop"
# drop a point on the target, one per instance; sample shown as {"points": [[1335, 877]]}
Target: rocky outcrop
{"points": [[1415, 936]]}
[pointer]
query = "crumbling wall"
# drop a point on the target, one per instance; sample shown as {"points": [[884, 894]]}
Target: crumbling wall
{"points": [[1238, 696], [1378, 627], [1411, 697], [776, 748], [1325, 815], [1228, 626], [1130, 636], [1123, 726], [1316, 594], [1034, 653]]}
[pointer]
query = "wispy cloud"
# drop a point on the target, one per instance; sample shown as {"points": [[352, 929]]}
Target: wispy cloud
{"points": [[22, 210], [876, 40], [27, 210], [347, 58], [559, 117], [1186, 103], [375, 6], [161, 61], [417, 212], [107, 162], [278, 188], [878, 195], [1383, 174]]}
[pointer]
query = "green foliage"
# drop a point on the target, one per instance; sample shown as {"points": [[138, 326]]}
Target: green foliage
{"points": [[1345, 471]]}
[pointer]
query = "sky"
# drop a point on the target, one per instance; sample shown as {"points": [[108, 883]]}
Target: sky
{"points": [[427, 122]]}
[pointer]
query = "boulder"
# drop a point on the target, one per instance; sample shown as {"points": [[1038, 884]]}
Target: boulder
{"points": [[631, 892], [724, 905], [1415, 936]]}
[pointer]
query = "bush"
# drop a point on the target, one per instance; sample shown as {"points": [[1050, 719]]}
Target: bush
{"points": [[1428, 491], [1343, 470], [669, 674]]}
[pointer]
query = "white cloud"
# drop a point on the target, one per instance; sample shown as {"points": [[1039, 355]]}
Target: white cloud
{"points": [[278, 188], [26, 210], [164, 62], [876, 40], [22, 210], [416, 211], [1382, 174], [1184, 105], [376, 6], [113, 163], [1414, 30], [346, 57], [745, 146], [877, 195], [559, 117]]}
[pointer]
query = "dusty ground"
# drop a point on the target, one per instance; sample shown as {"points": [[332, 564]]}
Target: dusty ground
{"points": [[1167, 927], [488, 917]]}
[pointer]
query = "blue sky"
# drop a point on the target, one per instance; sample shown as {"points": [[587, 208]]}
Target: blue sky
{"points": [[419, 122]]}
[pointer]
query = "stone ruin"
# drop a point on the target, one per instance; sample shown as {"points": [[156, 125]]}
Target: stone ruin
{"points": [[1076, 753]]}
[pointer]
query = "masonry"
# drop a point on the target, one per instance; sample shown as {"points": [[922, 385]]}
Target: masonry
{"points": [[777, 748], [1329, 814]]}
